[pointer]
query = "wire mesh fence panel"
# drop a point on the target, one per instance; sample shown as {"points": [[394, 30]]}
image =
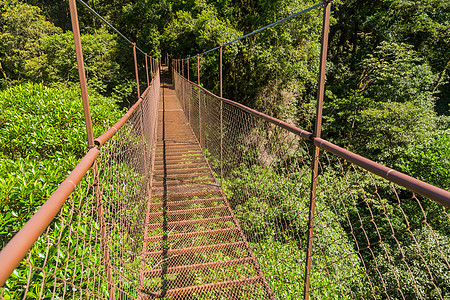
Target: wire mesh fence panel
{"points": [[394, 243], [66, 261], [372, 238], [266, 181], [126, 167], [91, 248]]}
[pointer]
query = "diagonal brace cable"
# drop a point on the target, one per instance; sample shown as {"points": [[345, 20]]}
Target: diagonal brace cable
{"points": [[259, 30], [109, 24]]}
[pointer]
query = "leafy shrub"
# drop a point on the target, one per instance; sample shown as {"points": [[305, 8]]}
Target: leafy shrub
{"points": [[23, 28], [271, 205], [429, 161], [43, 137], [58, 62]]}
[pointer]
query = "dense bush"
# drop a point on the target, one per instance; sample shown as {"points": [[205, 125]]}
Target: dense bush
{"points": [[271, 205], [22, 30], [43, 137], [429, 161]]}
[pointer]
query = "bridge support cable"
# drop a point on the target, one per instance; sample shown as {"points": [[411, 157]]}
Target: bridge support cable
{"points": [[260, 29], [109, 25]]}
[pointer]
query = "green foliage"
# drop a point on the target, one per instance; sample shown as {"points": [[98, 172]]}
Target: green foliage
{"points": [[43, 137], [40, 122], [22, 30], [429, 161], [58, 61], [24, 184], [273, 216], [395, 73], [393, 104], [424, 252], [391, 128]]}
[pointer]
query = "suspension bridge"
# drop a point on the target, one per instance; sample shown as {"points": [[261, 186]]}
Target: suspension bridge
{"points": [[194, 196]]}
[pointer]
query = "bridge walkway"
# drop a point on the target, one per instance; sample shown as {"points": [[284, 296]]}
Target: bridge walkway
{"points": [[193, 245]]}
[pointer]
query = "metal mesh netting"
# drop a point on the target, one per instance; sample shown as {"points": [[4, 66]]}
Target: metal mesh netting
{"points": [[396, 241], [372, 238], [125, 181], [92, 248]]}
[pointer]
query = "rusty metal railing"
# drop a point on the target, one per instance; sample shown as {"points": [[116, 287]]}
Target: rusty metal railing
{"points": [[360, 229], [84, 241], [63, 238]]}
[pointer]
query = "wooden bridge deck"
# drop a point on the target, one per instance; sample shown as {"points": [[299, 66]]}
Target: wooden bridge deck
{"points": [[193, 247]]}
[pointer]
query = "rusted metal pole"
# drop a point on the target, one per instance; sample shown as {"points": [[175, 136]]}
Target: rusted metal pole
{"points": [[221, 118], [136, 70], [90, 136], [188, 69], [81, 71], [151, 66], [316, 134], [146, 69], [199, 106], [182, 85], [189, 100]]}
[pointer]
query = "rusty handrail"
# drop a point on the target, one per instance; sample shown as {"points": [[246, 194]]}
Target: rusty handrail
{"points": [[435, 193], [16, 249], [303, 133], [101, 140], [425, 189]]}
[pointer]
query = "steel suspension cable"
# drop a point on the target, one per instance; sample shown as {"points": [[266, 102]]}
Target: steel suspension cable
{"points": [[259, 30], [109, 24]]}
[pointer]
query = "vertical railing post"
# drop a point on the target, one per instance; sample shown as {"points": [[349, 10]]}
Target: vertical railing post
{"points": [[221, 117], [182, 85], [136, 70], [146, 69], [317, 133], [90, 137], [151, 66], [199, 106], [189, 100]]}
